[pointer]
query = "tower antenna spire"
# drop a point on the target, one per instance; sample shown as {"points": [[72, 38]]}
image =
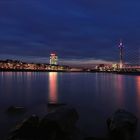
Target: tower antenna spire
{"points": [[121, 46]]}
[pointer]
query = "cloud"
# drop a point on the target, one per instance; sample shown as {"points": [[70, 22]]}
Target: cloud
{"points": [[85, 62], [74, 29]]}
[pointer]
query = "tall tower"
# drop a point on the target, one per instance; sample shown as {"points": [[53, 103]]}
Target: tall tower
{"points": [[121, 46], [53, 59]]}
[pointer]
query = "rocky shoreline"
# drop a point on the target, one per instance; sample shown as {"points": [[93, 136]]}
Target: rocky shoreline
{"points": [[60, 124]]}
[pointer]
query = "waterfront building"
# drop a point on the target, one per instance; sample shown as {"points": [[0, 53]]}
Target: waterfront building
{"points": [[53, 59]]}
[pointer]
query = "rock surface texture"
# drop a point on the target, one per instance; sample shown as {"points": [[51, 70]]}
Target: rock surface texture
{"points": [[122, 125]]}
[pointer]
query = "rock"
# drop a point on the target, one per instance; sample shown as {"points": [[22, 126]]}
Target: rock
{"points": [[56, 104], [64, 117], [94, 138], [53, 106], [122, 125], [59, 124], [15, 110], [26, 130]]}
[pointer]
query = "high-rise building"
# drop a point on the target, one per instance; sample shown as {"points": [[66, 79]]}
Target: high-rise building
{"points": [[53, 59]]}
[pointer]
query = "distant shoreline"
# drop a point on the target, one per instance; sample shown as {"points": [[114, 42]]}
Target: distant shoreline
{"points": [[67, 71], [24, 70]]}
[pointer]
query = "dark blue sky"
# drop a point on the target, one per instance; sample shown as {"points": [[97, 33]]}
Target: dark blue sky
{"points": [[83, 31]]}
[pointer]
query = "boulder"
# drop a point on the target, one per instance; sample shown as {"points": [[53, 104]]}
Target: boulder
{"points": [[64, 117], [53, 106], [27, 129], [56, 104], [94, 138], [59, 124], [122, 125], [13, 110]]}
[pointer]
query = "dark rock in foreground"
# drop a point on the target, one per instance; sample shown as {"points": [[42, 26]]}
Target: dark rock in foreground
{"points": [[60, 124], [94, 138], [56, 104], [122, 125], [53, 106], [15, 110], [26, 130], [65, 118]]}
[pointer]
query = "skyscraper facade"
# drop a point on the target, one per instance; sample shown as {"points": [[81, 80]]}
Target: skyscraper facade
{"points": [[53, 59]]}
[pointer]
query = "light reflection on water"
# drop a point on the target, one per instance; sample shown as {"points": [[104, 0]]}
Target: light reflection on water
{"points": [[94, 95], [138, 92], [53, 97], [119, 83]]}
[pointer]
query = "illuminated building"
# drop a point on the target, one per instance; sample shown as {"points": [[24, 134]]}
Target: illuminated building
{"points": [[115, 66], [53, 59]]}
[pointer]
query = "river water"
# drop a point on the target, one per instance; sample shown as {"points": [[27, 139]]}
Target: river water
{"points": [[95, 96]]}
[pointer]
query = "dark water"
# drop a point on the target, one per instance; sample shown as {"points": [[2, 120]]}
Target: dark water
{"points": [[95, 95]]}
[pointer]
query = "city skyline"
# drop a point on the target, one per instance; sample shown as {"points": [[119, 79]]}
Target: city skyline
{"points": [[80, 32]]}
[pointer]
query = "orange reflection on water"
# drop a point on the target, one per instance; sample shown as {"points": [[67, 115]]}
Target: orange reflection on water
{"points": [[53, 98]]}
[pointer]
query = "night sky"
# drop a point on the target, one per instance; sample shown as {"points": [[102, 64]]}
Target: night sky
{"points": [[79, 31]]}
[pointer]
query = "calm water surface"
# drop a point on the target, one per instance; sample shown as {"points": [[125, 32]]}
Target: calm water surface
{"points": [[95, 96]]}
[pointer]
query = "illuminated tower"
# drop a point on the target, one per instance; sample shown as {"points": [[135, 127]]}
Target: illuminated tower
{"points": [[53, 59], [121, 46]]}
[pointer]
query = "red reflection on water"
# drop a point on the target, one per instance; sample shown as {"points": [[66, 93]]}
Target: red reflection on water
{"points": [[138, 90], [120, 90], [53, 98]]}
